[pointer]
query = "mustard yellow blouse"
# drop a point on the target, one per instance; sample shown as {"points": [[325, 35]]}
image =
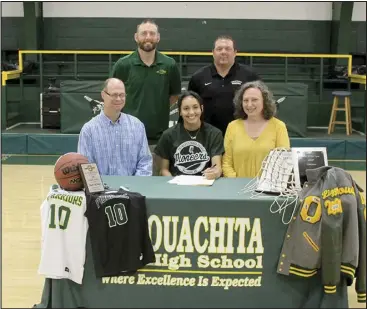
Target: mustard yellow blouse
{"points": [[243, 155]]}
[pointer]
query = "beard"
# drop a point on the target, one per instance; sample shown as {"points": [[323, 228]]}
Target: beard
{"points": [[147, 47]]}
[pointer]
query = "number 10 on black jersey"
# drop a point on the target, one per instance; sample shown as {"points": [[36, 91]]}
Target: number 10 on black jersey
{"points": [[116, 214]]}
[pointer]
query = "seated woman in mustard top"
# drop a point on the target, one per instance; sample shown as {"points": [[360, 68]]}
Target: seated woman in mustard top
{"points": [[254, 133]]}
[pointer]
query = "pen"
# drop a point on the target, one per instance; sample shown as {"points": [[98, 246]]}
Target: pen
{"points": [[210, 168]]}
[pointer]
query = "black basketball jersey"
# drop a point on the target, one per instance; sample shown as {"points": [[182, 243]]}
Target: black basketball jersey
{"points": [[118, 229]]}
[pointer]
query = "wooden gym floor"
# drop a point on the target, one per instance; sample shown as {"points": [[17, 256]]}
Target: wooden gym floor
{"points": [[23, 189]]}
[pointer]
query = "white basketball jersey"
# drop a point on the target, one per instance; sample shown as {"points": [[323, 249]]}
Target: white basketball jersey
{"points": [[64, 231]]}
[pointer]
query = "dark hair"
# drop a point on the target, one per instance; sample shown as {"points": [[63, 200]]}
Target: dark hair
{"points": [[269, 103], [225, 37], [188, 93], [147, 21]]}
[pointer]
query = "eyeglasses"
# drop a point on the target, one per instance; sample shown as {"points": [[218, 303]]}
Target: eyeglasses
{"points": [[116, 96]]}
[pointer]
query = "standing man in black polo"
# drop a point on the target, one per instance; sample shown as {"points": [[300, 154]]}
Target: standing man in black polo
{"points": [[152, 82], [218, 82]]}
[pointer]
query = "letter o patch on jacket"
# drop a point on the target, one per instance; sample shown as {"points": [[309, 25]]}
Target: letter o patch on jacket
{"points": [[311, 209]]}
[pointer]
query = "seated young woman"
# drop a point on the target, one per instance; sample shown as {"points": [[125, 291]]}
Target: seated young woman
{"points": [[192, 146], [254, 133]]}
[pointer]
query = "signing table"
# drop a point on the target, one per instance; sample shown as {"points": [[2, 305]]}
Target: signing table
{"points": [[215, 247]]}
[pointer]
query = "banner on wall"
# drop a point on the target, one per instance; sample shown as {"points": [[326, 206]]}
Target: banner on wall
{"points": [[75, 109], [81, 101]]}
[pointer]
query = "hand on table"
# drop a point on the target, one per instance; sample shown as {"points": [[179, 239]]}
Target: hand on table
{"points": [[212, 172]]}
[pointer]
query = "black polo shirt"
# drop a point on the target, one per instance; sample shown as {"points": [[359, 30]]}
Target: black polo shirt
{"points": [[217, 92]]}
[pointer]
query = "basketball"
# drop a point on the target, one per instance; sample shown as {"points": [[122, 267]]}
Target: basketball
{"points": [[67, 173]]}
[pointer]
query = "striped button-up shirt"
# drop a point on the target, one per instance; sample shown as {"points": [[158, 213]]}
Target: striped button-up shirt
{"points": [[119, 148]]}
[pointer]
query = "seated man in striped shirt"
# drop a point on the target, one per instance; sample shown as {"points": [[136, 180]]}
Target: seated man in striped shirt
{"points": [[116, 141]]}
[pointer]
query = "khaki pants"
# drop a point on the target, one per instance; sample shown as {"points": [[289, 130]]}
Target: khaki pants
{"points": [[156, 163]]}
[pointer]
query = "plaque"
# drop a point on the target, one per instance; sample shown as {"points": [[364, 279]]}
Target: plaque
{"points": [[91, 178], [305, 158]]}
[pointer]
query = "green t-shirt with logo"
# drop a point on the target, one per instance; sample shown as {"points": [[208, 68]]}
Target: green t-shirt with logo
{"points": [[148, 89], [188, 156]]}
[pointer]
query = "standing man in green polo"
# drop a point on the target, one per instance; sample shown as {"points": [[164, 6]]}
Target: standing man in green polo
{"points": [[152, 81]]}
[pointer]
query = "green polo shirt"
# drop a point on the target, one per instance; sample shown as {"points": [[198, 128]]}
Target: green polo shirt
{"points": [[148, 90]]}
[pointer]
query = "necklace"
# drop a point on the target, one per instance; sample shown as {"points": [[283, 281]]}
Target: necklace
{"points": [[192, 137]]}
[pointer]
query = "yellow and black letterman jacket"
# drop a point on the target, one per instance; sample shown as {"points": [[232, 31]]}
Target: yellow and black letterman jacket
{"points": [[328, 232]]}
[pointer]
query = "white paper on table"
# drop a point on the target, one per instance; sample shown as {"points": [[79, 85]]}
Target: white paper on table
{"points": [[186, 180]]}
